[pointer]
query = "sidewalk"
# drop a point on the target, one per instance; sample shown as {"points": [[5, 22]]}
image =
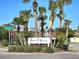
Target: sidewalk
{"points": [[3, 50]]}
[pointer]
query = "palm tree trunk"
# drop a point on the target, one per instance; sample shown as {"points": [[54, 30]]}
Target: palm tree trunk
{"points": [[61, 14], [18, 27], [42, 26], [36, 28], [25, 31], [20, 39], [39, 28], [50, 29], [60, 23], [42, 29], [51, 25], [24, 41], [67, 32]]}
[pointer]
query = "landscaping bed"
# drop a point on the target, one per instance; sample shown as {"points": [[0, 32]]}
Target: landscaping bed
{"points": [[30, 49]]}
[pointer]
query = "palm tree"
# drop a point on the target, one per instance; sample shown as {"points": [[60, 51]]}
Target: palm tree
{"points": [[52, 8], [25, 16], [66, 25], [17, 21], [35, 4], [42, 18], [66, 41], [61, 4]]}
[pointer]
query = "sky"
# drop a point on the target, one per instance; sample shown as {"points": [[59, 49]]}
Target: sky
{"points": [[11, 8]]}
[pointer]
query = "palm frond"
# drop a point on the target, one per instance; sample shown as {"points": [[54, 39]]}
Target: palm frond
{"points": [[42, 10], [25, 1]]}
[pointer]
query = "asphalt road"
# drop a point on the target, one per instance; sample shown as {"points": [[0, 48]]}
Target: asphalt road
{"points": [[60, 55], [40, 56]]}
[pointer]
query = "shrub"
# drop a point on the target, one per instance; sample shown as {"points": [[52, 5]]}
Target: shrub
{"points": [[19, 48], [37, 49], [30, 49], [12, 48], [47, 50], [4, 43]]}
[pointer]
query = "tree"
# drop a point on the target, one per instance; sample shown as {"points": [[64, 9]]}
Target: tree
{"points": [[3, 33], [66, 40], [78, 28], [42, 18], [25, 15], [17, 21], [61, 4], [52, 8], [59, 37], [66, 25], [35, 4]]}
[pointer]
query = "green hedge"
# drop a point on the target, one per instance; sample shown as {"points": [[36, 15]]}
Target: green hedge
{"points": [[37, 49], [3, 43], [30, 49], [47, 50]]}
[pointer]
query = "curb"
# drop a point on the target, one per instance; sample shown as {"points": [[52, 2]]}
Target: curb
{"points": [[38, 53], [5, 51]]}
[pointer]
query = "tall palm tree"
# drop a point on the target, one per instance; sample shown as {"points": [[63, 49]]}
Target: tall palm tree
{"points": [[52, 8], [66, 25], [61, 4], [17, 22], [35, 18], [42, 18], [35, 4], [25, 16]]}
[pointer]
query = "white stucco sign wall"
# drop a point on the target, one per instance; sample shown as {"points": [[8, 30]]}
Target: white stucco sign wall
{"points": [[74, 39], [39, 41]]}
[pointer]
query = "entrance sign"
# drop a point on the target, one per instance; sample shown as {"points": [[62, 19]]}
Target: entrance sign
{"points": [[39, 41], [74, 40]]}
